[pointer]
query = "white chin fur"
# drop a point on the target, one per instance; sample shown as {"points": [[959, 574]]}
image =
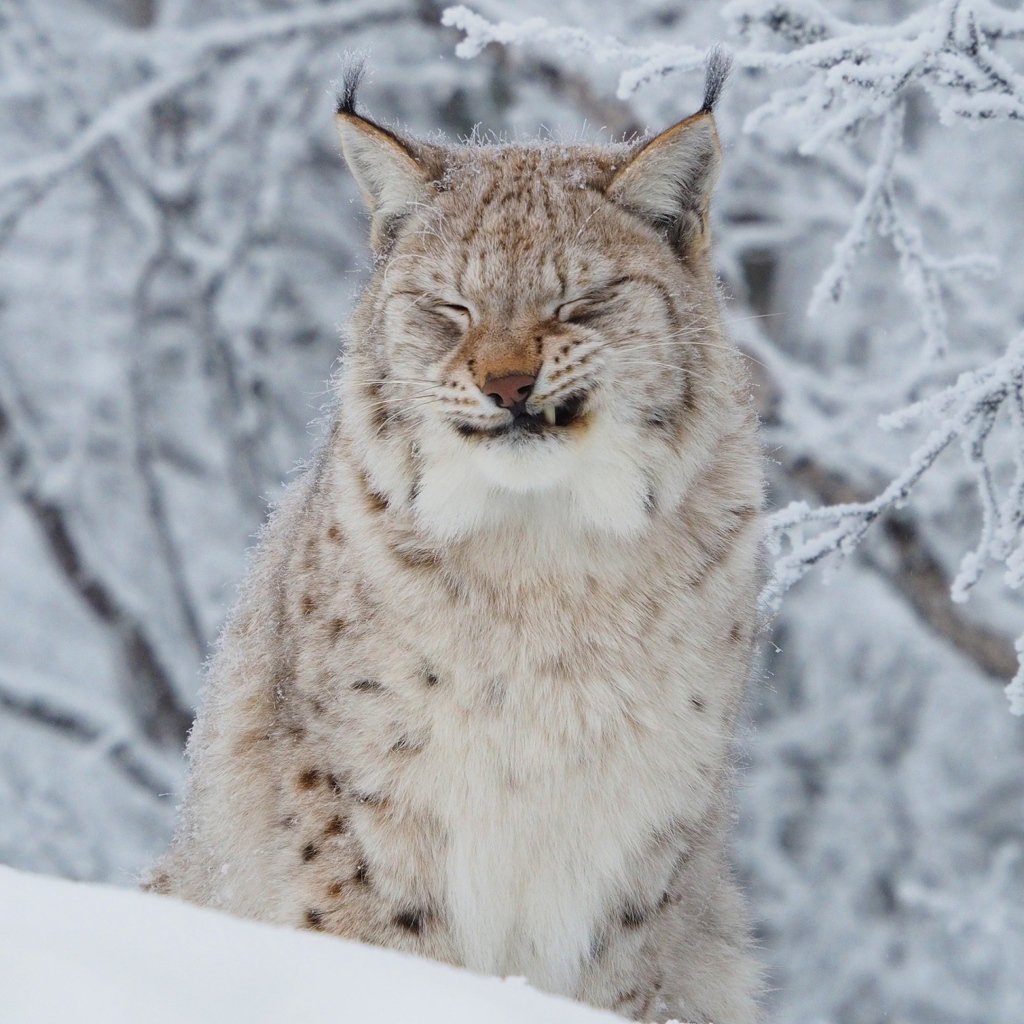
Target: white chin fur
{"points": [[591, 482], [524, 464]]}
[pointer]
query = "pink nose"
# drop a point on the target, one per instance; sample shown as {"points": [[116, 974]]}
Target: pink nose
{"points": [[509, 392]]}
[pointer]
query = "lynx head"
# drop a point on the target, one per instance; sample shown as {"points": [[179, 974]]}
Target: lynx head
{"points": [[542, 324]]}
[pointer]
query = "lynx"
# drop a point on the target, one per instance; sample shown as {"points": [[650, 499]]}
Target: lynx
{"points": [[476, 700]]}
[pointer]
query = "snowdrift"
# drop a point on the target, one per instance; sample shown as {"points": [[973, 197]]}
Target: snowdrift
{"points": [[90, 953]]}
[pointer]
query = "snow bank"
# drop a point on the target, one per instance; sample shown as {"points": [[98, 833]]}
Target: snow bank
{"points": [[84, 953]]}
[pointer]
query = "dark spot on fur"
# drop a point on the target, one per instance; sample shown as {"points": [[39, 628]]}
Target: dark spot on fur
{"points": [[411, 920], [159, 882], [308, 605], [334, 533], [310, 561], [744, 511], [365, 597], [309, 778], [336, 628], [375, 501], [309, 851], [698, 704], [626, 997], [362, 873], [370, 799], [378, 407], [337, 826], [334, 784], [336, 888], [650, 503], [715, 553], [415, 557], [290, 822], [634, 916], [644, 1012], [314, 919], [560, 666], [659, 984], [367, 685], [431, 679], [674, 833], [736, 633]]}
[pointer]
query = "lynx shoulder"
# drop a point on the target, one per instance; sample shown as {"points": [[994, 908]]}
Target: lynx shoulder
{"points": [[477, 699]]}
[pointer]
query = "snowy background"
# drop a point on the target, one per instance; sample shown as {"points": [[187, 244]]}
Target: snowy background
{"points": [[180, 241]]}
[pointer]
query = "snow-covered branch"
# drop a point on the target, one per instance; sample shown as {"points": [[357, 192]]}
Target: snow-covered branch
{"points": [[171, 61], [800, 536], [860, 72]]}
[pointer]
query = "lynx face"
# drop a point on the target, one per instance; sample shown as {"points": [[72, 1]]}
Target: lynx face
{"points": [[540, 322]]}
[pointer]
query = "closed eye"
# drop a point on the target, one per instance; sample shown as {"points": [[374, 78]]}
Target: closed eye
{"points": [[583, 311], [450, 320], [591, 306], [452, 311]]}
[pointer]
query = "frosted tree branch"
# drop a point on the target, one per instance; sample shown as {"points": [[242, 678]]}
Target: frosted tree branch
{"points": [[862, 71], [800, 536], [182, 57], [648, 62]]}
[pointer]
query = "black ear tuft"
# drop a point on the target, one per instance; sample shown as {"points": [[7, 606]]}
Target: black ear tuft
{"points": [[717, 66], [352, 78]]}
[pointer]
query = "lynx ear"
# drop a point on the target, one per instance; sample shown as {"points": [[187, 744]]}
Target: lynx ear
{"points": [[669, 179], [386, 168]]}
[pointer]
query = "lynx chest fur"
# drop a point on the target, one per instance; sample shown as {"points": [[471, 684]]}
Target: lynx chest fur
{"points": [[477, 698]]}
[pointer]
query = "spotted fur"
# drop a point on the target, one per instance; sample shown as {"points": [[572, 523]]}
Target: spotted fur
{"points": [[477, 698]]}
